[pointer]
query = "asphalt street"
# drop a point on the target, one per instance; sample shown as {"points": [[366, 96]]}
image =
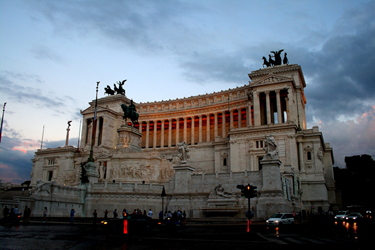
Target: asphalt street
{"points": [[62, 235]]}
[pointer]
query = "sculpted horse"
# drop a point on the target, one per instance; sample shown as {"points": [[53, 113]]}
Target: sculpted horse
{"points": [[271, 61], [130, 112], [120, 90], [265, 62], [109, 91]]}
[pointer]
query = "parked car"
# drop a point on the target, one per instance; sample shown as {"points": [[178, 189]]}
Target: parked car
{"points": [[280, 219], [353, 217], [341, 215]]}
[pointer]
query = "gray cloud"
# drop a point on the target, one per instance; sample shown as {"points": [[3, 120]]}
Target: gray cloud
{"points": [[30, 95], [42, 52]]}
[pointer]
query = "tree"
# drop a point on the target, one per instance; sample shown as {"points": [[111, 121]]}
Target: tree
{"points": [[356, 181]]}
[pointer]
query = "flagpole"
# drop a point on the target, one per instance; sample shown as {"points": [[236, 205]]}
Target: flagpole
{"points": [[91, 157], [2, 119], [41, 144], [79, 133]]}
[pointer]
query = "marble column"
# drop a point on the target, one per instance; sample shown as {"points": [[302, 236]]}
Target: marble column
{"points": [[177, 131], [155, 133], [169, 133], [140, 127], [223, 125], [268, 107], [185, 129], [216, 130], [291, 112], [192, 130], [162, 134], [278, 103], [208, 127], [256, 109], [147, 133], [200, 128]]}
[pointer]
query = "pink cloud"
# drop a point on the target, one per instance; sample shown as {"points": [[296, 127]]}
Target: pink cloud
{"points": [[22, 150]]}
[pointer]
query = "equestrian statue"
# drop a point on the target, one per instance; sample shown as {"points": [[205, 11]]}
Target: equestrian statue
{"points": [[130, 112]]}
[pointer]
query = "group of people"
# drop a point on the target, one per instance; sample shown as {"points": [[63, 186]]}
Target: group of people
{"points": [[13, 214], [136, 213], [177, 217]]}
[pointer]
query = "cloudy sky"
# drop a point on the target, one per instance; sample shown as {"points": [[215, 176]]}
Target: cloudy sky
{"points": [[52, 53]]}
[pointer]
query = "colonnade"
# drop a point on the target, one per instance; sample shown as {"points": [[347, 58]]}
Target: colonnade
{"points": [[168, 132], [271, 107]]}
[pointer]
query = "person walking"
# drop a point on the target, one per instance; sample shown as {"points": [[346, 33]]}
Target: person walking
{"points": [[95, 214], [115, 214], [106, 214], [149, 214], [45, 212], [72, 215]]}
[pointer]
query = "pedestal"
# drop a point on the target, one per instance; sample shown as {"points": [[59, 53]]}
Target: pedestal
{"points": [[182, 177], [91, 172], [129, 139], [271, 198]]}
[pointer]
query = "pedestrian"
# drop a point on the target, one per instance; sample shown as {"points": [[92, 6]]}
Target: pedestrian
{"points": [[115, 214], [161, 215], [5, 212], [149, 214], [124, 213], [95, 214], [72, 215], [45, 212], [106, 214], [26, 214]]}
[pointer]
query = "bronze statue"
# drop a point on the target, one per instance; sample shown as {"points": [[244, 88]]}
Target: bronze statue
{"points": [[271, 61], [265, 62], [109, 91], [277, 56], [120, 90], [285, 60], [130, 112], [277, 59]]}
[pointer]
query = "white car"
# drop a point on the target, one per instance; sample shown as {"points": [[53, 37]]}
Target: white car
{"points": [[341, 215], [280, 219], [353, 217]]}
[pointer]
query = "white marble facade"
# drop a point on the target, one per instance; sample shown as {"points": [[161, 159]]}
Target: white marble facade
{"points": [[225, 135]]}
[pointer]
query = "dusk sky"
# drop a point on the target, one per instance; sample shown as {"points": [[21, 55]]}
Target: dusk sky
{"points": [[52, 53]]}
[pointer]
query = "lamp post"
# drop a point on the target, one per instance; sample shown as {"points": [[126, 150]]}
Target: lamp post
{"points": [[163, 194], [91, 157], [2, 119]]}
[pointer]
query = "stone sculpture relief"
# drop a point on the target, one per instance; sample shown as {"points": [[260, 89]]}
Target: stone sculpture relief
{"points": [[219, 191], [183, 152], [142, 171], [270, 148]]}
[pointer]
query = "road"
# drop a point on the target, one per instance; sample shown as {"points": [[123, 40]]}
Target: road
{"points": [[85, 236]]}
